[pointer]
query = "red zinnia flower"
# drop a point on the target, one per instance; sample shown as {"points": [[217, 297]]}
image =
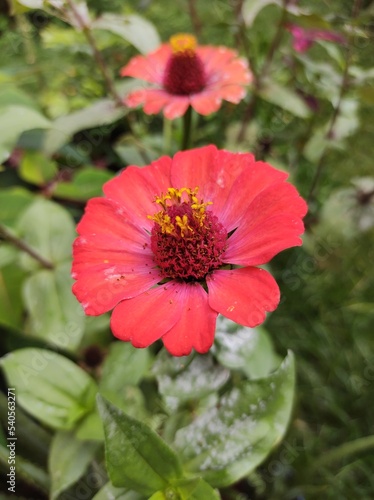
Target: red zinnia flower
{"points": [[304, 38], [185, 74], [174, 243]]}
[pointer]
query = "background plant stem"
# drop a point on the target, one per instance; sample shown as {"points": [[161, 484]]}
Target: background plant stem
{"points": [[11, 238]]}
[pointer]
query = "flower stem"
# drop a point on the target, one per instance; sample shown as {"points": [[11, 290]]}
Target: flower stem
{"points": [[258, 80], [11, 238], [167, 135], [195, 20], [357, 446], [343, 89], [187, 125], [96, 53]]}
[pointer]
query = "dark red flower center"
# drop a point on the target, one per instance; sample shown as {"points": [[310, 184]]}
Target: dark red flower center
{"points": [[187, 240], [184, 72]]}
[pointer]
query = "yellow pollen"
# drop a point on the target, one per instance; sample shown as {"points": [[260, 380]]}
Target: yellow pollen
{"points": [[177, 197], [183, 43]]}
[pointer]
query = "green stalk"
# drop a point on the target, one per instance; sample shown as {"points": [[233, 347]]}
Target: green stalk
{"points": [[187, 122], [357, 446]]}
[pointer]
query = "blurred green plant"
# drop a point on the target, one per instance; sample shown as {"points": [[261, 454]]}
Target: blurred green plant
{"points": [[216, 418]]}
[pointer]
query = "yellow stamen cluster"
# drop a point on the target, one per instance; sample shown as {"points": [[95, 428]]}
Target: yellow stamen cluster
{"points": [[183, 43], [175, 197]]}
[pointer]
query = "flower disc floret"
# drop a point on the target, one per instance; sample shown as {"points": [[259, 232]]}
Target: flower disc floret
{"points": [[184, 71], [187, 240]]}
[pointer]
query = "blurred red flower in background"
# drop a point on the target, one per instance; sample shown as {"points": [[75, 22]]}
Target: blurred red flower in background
{"points": [[173, 244], [304, 38], [185, 74]]}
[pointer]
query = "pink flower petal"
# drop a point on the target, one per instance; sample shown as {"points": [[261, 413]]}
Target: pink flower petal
{"points": [[253, 179], [258, 245], [206, 102], [147, 317], [100, 288], [109, 218], [195, 328], [150, 67], [176, 107], [136, 188], [155, 100], [271, 223], [213, 171], [243, 295]]}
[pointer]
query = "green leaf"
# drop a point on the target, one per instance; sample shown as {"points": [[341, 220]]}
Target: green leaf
{"points": [[11, 307], [35, 168], [54, 313], [13, 202], [14, 120], [196, 489], [285, 98], [68, 461], [231, 439], [109, 492], [124, 365], [252, 7], [49, 229], [183, 379], [136, 457], [90, 428], [49, 387], [87, 183], [247, 349], [102, 112], [133, 28], [13, 96]]}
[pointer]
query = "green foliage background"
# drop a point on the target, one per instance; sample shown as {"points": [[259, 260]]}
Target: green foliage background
{"points": [[62, 137]]}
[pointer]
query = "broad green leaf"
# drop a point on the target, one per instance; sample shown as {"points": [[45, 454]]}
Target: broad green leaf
{"points": [[124, 365], [68, 460], [102, 112], [13, 202], [14, 120], [316, 145], [12, 96], [109, 492], [35, 168], [251, 8], [247, 349], [136, 457], [198, 378], [342, 213], [284, 97], [187, 489], [133, 28], [86, 183], [54, 313], [49, 229], [232, 438], [11, 307], [196, 489], [49, 386], [90, 428]]}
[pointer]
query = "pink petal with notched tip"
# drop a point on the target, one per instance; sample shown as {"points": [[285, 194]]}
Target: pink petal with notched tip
{"points": [[243, 295], [150, 67], [136, 189], [196, 326], [147, 317]]}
